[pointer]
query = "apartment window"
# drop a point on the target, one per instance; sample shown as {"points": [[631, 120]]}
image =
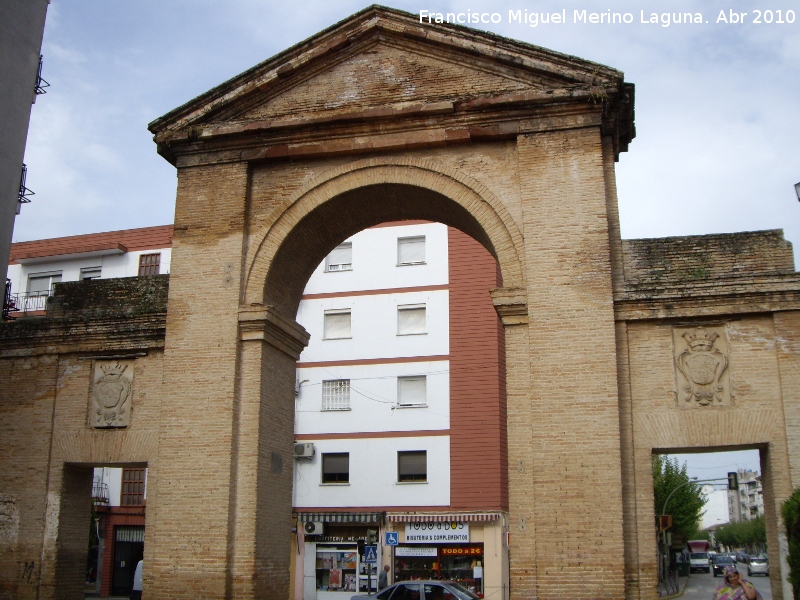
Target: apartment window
{"points": [[149, 264], [132, 486], [411, 319], [411, 250], [336, 394], [340, 259], [412, 391], [41, 284], [337, 324], [90, 272], [412, 465], [336, 467]]}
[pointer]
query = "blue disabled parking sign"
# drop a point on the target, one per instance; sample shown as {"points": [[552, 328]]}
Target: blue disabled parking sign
{"points": [[370, 554], [392, 538]]}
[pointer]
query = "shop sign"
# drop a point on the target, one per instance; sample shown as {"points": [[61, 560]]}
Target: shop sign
{"points": [[463, 551], [411, 551], [437, 532]]}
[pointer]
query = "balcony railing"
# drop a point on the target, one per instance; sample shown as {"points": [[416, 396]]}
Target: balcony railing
{"points": [[29, 302], [100, 493]]}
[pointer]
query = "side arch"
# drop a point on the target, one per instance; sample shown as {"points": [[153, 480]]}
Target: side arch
{"points": [[362, 194]]}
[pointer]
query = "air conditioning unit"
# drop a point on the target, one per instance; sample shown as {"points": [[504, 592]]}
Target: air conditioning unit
{"points": [[314, 528], [304, 450]]}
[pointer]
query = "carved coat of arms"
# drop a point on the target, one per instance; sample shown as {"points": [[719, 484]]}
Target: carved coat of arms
{"points": [[703, 367], [111, 393]]}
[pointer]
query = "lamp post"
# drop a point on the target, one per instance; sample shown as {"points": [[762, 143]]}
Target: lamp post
{"points": [[665, 558]]}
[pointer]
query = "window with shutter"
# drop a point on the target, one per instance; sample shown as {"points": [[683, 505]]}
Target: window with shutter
{"points": [[411, 250], [411, 391], [337, 324], [340, 259], [336, 467], [411, 319], [412, 465]]}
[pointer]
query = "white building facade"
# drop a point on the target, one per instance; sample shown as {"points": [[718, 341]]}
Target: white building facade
{"points": [[747, 503], [376, 418]]}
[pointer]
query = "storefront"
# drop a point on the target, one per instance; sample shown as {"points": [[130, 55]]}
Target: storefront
{"points": [[332, 561], [470, 549], [462, 563]]}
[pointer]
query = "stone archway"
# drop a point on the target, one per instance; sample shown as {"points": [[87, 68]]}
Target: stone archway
{"points": [[364, 193]]}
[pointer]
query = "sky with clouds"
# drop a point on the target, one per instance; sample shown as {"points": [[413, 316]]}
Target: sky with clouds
{"points": [[716, 103]]}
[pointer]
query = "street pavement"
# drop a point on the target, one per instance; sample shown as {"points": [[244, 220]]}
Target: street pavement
{"points": [[701, 586]]}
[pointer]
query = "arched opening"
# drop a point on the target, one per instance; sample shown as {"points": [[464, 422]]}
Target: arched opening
{"points": [[292, 249]]}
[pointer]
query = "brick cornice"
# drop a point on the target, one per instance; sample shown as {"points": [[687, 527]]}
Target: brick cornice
{"points": [[264, 323], [719, 297], [36, 336], [511, 305]]}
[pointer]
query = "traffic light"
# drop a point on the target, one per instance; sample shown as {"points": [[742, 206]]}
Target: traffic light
{"points": [[664, 522], [733, 481], [372, 536]]}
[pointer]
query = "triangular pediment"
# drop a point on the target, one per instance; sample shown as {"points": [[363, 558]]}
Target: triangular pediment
{"points": [[386, 73], [384, 58]]}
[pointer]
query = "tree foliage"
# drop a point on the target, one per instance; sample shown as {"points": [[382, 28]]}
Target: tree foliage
{"points": [[791, 518], [685, 504], [744, 534]]}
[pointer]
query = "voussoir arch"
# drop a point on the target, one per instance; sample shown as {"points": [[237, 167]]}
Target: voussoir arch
{"points": [[501, 234]]}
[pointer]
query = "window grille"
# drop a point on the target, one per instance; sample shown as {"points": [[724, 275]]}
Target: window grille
{"points": [[132, 487], [149, 264], [340, 259], [336, 394], [412, 465], [411, 319], [336, 467], [411, 250]]}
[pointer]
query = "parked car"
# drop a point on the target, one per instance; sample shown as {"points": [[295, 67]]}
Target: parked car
{"points": [[758, 566], [422, 590], [742, 557], [719, 562]]}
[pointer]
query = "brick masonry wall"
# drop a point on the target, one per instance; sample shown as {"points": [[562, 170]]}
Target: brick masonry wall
{"points": [[194, 467], [699, 258], [755, 417], [478, 443], [574, 419], [27, 388]]}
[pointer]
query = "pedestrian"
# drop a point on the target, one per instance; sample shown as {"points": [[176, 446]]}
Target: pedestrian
{"points": [[383, 578], [136, 594], [735, 587]]}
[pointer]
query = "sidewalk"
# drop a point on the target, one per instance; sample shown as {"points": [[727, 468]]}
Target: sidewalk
{"points": [[682, 581]]}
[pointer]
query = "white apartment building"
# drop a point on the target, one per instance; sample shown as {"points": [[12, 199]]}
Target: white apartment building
{"points": [[36, 266], [716, 507], [748, 503]]}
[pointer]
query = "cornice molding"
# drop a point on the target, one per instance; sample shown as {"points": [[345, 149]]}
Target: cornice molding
{"points": [[264, 323]]}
